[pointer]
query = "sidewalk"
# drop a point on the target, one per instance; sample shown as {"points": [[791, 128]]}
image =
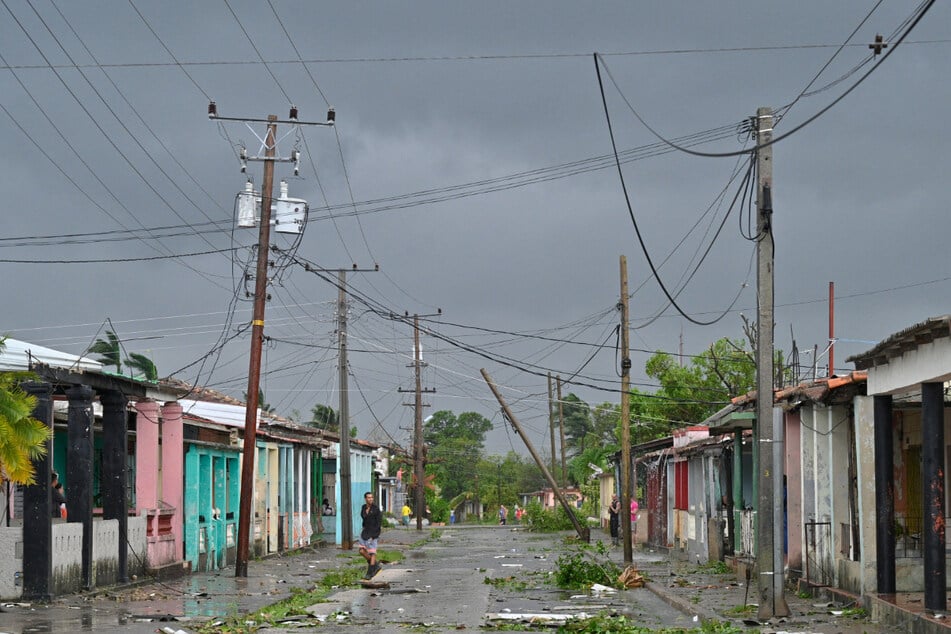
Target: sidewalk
{"points": [[700, 590]]}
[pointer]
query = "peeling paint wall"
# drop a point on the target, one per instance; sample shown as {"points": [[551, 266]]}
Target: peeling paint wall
{"points": [[11, 568], [794, 529], [866, 579]]}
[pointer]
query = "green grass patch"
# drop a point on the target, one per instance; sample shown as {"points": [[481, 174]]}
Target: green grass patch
{"points": [[434, 535], [715, 568], [741, 610], [855, 613], [606, 624], [511, 583]]}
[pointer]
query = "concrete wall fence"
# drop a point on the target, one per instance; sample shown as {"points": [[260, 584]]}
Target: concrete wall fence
{"points": [[67, 555]]}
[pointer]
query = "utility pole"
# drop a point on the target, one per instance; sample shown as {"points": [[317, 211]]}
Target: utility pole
{"points": [[254, 364], [769, 516], [343, 418], [831, 329], [551, 424], [419, 452], [625, 420], [343, 415], [561, 426], [269, 145], [583, 532]]}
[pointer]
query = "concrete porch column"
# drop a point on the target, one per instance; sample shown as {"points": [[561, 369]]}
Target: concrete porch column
{"points": [[38, 507], [932, 457], [79, 465], [173, 462], [114, 484], [884, 494], [146, 455]]}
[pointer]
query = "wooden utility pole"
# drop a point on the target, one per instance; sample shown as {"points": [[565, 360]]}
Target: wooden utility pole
{"points": [[269, 145], [582, 531], [769, 425], [626, 489], [551, 424], [343, 418], [254, 364], [561, 426]]}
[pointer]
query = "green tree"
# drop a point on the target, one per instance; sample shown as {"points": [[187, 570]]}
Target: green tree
{"points": [[109, 350], [22, 437], [691, 393], [454, 445], [504, 478], [577, 416], [142, 364], [324, 417], [579, 467], [604, 425]]}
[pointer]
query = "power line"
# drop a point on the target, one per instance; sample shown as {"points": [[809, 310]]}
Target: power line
{"points": [[917, 16], [114, 260], [637, 230], [463, 58]]}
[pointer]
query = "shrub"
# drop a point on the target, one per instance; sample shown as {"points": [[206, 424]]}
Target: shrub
{"points": [[545, 520], [438, 510], [586, 566]]}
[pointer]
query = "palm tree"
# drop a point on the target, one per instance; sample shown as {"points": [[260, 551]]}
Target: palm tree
{"points": [[142, 364], [324, 417], [22, 437], [109, 350], [266, 408]]}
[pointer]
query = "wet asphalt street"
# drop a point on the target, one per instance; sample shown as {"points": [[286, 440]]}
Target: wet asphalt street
{"points": [[439, 584]]}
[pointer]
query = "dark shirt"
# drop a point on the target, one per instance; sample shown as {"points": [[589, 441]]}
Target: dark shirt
{"points": [[57, 498], [614, 510], [372, 521]]}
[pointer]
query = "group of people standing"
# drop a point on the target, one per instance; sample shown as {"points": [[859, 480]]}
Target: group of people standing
{"points": [[504, 514], [614, 516]]}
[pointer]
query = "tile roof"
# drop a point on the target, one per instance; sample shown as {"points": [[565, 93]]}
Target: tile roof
{"points": [[808, 390], [903, 341]]}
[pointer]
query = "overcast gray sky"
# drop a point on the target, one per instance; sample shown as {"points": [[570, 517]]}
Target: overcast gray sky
{"points": [[471, 160]]}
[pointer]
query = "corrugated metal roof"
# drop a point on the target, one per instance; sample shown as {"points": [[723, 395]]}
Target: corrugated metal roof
{"points": [[19, 356]]}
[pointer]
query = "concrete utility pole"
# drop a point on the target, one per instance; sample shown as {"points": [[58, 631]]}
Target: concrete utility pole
{"points": [[551, 424], [582, 531], [343, 415], [343, 418], [269, 145], [419, 453], [561, 426], [625, 420], [769, 425]]}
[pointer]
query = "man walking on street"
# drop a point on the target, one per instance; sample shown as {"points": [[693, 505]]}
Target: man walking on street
{"points": [[372, 525]]}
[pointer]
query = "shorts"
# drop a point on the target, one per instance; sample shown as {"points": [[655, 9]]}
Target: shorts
{"points": [[368, 544]]}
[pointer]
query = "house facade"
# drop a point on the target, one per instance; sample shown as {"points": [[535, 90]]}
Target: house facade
{"points": [[152, 480]]}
